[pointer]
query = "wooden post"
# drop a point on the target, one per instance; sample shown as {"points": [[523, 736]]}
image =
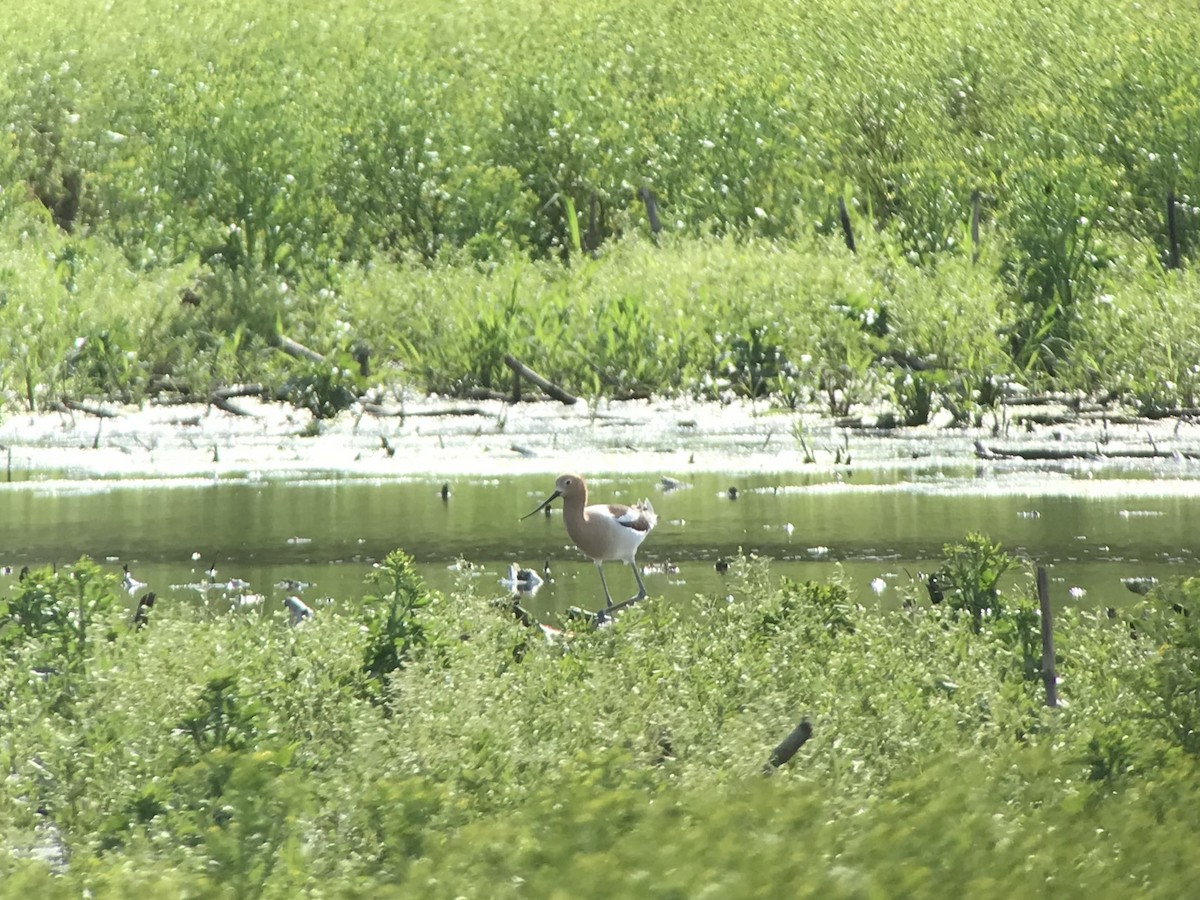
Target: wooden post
{"points": [[651, 209], [788, 746], [1048, 674], [516, 388], [1172, 232], [847, 231], [975, 204]]}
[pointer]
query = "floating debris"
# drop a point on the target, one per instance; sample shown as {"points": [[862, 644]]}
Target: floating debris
{"points": [[1028, 514], [292, 585], [667, 484], [299, 540], [818, 551], [663, 568], [878, 585], [1076, 591], [1140, 513]]}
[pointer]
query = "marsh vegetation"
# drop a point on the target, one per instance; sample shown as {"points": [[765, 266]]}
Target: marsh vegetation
{"points": [[412, 196], [634, 198]]}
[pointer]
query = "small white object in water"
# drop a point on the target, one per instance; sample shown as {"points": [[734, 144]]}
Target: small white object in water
{"points": [[1076, 591], [789, 528], [878, 585], [817, 551]]}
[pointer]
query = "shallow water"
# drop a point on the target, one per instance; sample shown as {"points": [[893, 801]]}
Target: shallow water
{"points": [[1092, 526]]}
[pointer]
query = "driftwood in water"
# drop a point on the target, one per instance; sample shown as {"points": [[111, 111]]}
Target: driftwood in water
{"points": [[97, 411], [545, 384], [221, 396], [1050, 454], [384, 412]]}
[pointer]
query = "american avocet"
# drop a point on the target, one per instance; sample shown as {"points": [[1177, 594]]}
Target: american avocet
{"points": [[603, 531]]}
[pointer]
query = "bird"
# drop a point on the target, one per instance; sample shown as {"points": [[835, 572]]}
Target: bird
{"points": [[521, 581], [298, 609], [130, 583], [603, 531]]}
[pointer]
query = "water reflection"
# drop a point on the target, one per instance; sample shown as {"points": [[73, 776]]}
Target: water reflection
{"points": [[223, 542]]}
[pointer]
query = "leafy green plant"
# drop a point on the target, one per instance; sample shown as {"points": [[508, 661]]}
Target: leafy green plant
{"points": [[64, 612], [222, 716], [396, 630], [970, 577]]}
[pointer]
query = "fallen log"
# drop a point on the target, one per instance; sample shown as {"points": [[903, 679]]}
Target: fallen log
{"points": [[546, 385], [224, 405], [298, 350]]}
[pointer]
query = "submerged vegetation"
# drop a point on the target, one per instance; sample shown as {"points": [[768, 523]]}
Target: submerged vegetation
{"points": [[413, 744], [414, 193]]}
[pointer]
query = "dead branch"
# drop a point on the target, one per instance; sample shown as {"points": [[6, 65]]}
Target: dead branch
{"points": [[546, 385]]}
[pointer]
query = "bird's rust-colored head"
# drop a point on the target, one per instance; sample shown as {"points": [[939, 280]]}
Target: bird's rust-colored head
{"points": [[572, 488]]}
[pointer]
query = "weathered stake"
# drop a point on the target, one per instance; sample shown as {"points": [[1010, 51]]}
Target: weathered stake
{"points": [[975, 204], [1172, 232], [1048, 674], [788, 746], [651, 209], [847, 231]]}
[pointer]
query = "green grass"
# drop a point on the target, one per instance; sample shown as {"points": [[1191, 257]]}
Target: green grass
{"points": [[431, 184], [237, 756]]}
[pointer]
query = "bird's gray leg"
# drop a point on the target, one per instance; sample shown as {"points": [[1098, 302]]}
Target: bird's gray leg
{"points": [[641, 594], [604, 584]]}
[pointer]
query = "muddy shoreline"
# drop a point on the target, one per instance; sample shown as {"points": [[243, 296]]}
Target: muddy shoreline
{"points": [[438, 437]]}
